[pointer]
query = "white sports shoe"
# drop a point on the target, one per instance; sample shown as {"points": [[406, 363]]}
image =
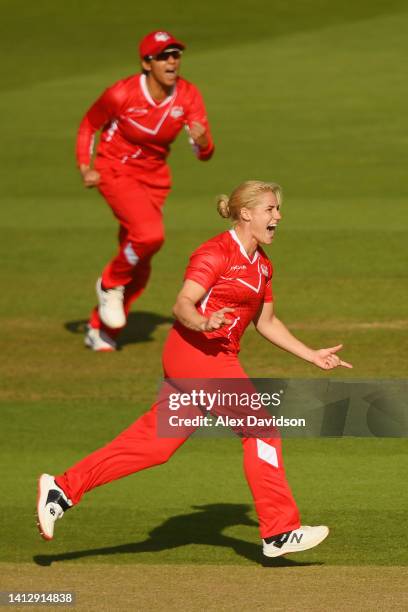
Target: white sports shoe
{"points": [[98, 340], [295, 541], [111, 305], [51, 505]]}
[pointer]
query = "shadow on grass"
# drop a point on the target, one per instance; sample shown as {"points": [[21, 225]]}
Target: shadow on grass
{"points": [[203, 526], [139, 328]]}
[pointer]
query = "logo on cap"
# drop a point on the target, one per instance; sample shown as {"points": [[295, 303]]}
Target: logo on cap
{"points": [[161, 36]]}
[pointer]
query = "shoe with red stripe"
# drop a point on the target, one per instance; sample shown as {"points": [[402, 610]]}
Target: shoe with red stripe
{"points": [[51, 505], [98, 340]]}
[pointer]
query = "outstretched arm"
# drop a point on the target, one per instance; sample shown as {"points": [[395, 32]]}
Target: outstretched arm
{"points": [[271, 328], [187, 314]]}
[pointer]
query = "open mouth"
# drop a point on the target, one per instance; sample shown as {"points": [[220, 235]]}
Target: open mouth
{"points": [[271, 227]]}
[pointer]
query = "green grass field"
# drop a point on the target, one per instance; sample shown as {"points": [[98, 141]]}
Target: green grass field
{"points": [[311, 94]]}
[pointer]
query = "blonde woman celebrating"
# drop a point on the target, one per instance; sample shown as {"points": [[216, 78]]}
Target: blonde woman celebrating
{"points": [[227, 285]]}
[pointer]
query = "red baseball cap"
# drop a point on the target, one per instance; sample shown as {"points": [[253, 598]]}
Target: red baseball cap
{"points": [[155, 42]]}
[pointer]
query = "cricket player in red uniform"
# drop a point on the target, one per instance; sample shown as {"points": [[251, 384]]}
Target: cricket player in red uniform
{"points": [[227, 285], [139, 117]]}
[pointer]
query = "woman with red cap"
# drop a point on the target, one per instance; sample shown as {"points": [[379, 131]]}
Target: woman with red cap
{"points": [[139, 117]]}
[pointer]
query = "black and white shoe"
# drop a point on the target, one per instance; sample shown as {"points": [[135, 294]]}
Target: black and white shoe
{"points": [[294, 541], [51, 505]]}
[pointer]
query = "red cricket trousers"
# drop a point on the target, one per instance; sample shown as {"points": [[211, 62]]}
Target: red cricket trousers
{"points": [[136, 199], [139, 447]]}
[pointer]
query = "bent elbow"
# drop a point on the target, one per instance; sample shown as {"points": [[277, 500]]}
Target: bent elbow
{"points": [[206, 156], [175, 310]]}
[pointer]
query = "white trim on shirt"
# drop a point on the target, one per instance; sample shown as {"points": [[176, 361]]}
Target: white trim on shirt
{"points": [[242, 249], [168, 101], [146, 93], [205, 299], [256, 289]]}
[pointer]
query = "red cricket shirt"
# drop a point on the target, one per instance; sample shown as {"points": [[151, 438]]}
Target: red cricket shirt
{"points": [[137, 131], [232, 279]]}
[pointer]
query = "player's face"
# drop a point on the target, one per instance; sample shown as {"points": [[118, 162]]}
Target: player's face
{"points": [[164, 68], [264, 218]]}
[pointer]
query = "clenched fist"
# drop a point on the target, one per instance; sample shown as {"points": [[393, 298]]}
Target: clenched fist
{"points": [[217, 320], [90, 177]]}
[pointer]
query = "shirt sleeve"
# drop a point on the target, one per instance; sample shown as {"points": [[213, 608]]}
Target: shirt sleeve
{"points": [[197, 112], [102, 112], [206, 265], [268, 294]]}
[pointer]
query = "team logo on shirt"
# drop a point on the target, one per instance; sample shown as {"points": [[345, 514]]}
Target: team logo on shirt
{"points": [[264, 270], [161, 36], [137, 112], [176, 112], [236, 268]]}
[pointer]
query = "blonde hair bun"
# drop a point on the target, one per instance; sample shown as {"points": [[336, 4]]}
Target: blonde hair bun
{"points": [[223, 206], [245, 195]]}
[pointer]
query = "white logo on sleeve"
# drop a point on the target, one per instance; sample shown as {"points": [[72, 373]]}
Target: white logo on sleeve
{"points": [[264, 270], [161, 36]]}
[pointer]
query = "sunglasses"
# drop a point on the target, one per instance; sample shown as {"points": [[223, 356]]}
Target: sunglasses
{"points": [[165, 55]]}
